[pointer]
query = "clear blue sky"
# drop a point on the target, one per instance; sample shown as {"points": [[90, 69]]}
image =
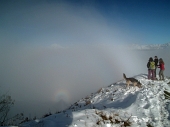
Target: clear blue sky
{"points": [[84, 21]]}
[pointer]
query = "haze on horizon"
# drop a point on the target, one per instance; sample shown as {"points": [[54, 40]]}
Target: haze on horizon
{"points": [[64, 50]]}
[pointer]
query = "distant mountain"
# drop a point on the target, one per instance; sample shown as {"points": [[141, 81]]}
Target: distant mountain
{"points": [[149, 47]]}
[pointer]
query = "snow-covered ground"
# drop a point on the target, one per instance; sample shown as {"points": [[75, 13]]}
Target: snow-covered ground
{"points": [[116, 106]]}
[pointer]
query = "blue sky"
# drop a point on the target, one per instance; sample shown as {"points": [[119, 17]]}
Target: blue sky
{"points": [[52, 50], [84, 21]]}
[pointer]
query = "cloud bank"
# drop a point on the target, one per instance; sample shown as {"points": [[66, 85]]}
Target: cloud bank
{"points": [[46, 75]]}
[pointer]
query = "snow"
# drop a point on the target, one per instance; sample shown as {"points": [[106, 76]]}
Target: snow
{"points": [[116, 106]]}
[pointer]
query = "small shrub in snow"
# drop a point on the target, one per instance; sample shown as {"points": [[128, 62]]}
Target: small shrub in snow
{"points": [[46, 115], [112, 119], [100, 90], [148, 125], [167, 95], [88, 102]]}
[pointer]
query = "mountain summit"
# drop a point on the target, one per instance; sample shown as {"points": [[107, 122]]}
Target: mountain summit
{"points": [[116, 106]]}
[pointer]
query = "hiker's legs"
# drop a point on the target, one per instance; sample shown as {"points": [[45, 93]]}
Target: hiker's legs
{"points": [[161, 75], [155, 71], [153, 74], [149, 74]]}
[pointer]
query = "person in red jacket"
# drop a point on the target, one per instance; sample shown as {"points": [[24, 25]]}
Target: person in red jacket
{"points": [[162, 68]]}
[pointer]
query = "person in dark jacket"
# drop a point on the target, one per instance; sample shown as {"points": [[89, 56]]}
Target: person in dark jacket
{"points": [[156, 64], [162, 68]]}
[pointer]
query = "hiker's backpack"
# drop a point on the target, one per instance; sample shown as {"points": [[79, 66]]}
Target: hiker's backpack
{"points": [[152, 65]]}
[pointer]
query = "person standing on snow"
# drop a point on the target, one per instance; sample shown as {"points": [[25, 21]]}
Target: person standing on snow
{"points": [[162, 68], [156, 64], [151, 69]]}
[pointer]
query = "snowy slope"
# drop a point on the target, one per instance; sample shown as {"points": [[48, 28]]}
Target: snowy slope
{"points": [[116, 106]]}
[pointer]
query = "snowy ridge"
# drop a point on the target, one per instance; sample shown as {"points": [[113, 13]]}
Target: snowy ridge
{"points": [[116, 106], [149, 47]]}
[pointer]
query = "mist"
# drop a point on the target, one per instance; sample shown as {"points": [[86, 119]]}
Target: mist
{"points": [[41, 79]]}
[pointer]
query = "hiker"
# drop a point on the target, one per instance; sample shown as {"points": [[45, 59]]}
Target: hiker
{"points": [[151, 69], [162, 68], [156, 64]]}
